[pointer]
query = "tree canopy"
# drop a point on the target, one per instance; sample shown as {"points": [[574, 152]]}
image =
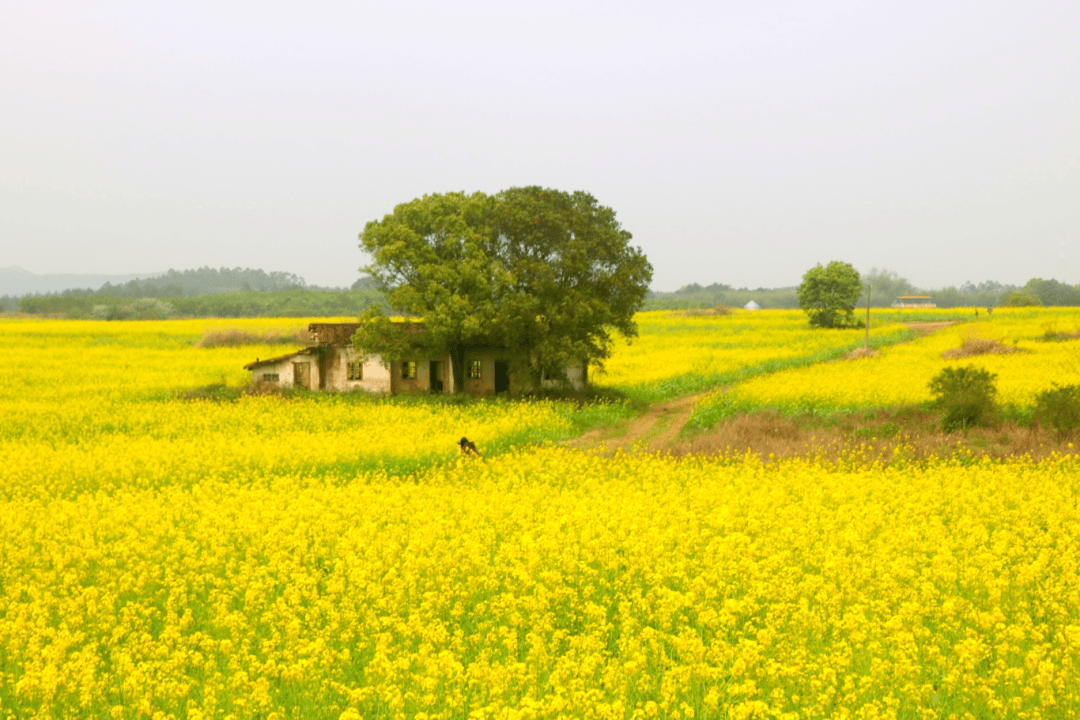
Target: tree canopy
{"points": [[828, 294], [547, 274]]}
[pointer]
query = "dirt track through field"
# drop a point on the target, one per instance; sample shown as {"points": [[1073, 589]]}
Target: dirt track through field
{"points": [[657, 429], [650, 432]]}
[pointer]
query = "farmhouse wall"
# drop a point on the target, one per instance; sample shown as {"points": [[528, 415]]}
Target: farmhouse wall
{"points": [[328, 357], [422, 382], [375, 375], [486, 383], [284, 368], [577, 375], [280, 372]]}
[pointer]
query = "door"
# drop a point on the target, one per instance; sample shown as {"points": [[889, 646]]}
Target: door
{"points": [[302, 375], [502, 376], [435, 378]]}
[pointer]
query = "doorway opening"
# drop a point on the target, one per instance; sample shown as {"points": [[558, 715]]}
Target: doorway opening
{"points": [[502, 376]]}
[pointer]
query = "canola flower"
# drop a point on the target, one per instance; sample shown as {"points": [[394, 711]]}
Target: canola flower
{"points": [[94, 407], [900, 374], [326, 558], [676, 354], [552, 583]]}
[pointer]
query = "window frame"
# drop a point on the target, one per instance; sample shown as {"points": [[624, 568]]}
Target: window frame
{"points": [[475, 370], [408, 369]]}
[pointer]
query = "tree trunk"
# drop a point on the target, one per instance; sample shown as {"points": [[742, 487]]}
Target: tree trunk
{"points": [[457, 367]]}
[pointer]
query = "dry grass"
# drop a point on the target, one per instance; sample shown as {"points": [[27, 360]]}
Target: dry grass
{"points": [[710, 312], [979, 346], [236, 337], [858, 353], [979, 339], [907, 434], [929, 328], [262, 388]]}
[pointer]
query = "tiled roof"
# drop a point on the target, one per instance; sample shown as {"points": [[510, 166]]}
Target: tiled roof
{"points": [[274, 360], [340, 333]]}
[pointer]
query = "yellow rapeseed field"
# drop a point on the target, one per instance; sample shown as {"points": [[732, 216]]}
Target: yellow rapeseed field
{"points": [[93, 406], [900, 374], [677, 354], [326, 557]]}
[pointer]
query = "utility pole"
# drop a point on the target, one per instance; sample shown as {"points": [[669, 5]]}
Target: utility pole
{"points": [[866, 346]]}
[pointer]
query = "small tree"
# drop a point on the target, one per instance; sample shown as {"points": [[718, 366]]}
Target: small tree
{"points": [[828, 294], [1058, 408], [965, 396]]}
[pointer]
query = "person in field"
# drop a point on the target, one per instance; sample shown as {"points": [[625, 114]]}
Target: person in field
{"points": [[468, 447]]}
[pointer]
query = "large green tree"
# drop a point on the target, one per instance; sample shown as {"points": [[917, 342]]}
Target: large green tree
{"points": [[549, 275], [828, 294]]}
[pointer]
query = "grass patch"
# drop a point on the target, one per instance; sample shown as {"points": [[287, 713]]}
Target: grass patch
{"points": [[1056, 336], [894, 436], [215, 392]]}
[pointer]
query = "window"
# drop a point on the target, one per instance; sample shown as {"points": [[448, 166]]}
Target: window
{"points": [[269, 377], [474, 370], [408, 370], [356, 370]]}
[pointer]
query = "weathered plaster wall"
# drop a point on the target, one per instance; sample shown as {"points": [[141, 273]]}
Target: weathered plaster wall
{"points": [[376, 375], [576, 374]]}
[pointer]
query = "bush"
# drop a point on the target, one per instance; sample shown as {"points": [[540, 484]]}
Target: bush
{"points": [[965, 395], [1021, 298], [1058, 408]]}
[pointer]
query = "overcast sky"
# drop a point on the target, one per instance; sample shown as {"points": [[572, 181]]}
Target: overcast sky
{"points": [[740, 142]]}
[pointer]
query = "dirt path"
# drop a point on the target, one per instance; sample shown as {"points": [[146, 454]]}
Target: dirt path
{"points": [[657, 429], [650, 432], [929, 328]]}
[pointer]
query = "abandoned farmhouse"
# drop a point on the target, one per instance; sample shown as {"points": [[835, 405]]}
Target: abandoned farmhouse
{"points": [[331, 362]]}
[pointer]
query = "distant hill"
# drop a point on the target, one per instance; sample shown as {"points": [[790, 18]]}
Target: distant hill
{"points": [[170, 284], [204, 292], [205, 281], [17, 281]]}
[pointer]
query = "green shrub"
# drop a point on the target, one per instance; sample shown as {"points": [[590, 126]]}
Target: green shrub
{"points": [[1058, 408], [1021, 298], [965, 396]]}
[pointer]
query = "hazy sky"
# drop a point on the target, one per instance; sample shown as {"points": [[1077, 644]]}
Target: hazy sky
{"points": [[740, 142]]}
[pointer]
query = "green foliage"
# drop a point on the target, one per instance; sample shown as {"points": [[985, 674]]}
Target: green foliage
{"points": [[1020, 298], [141, 309], [828, 294], [1058, 408], [547, 273], [1052, 292], [694, 297], [192, 283], [287, 303], [965, 396], [886, 286]]}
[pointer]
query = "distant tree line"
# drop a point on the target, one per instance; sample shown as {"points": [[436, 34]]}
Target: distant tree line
{"points": [[193, 283], [243, 292], [886, 288], [694, 296], [204, 292], [282, 303]]}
